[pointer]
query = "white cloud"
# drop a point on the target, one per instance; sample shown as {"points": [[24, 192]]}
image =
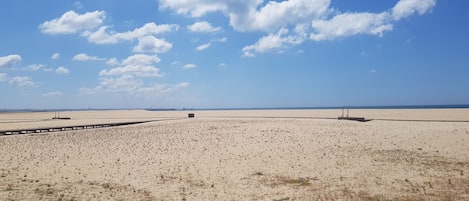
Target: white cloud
{"points": [[198, 8], [276, 15], [349, 24], [9, 61], [250, 15], [85, 57], [51, 94], [139, 65], [128, 77], [203, 27], [101, 36], [272, 17], [112, 61], [128, 84], [207, 45], [55, 56], [141, 59], [406, 8], [151, 44], [72, 22], [35, 67], [137, 70], [188, 66], [221, 40], [62, 70], [21, 81], [125, 83], [203, 46], [278, 41]]}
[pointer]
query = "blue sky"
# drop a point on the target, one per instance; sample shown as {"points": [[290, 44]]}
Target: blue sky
{"points": [[224, 54]]}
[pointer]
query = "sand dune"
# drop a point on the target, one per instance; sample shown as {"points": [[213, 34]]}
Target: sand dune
{"points": [[234, 155]]}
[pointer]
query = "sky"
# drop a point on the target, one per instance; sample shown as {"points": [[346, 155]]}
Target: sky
{"points": [[232, 53]]}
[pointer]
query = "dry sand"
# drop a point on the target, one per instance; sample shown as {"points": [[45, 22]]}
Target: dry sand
{"points": [[239, 155]]}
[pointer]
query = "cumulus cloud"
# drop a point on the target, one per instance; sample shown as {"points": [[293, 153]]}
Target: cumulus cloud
{"points": [[125, 83], [112, 61], [137, 70], [102, 36], [141, 59], [277, 41], [21, 81], [406, 8], [151, 44], [85, 57], [349, 24], [276, 15], [9, 60], [129, 78], [62, 70], [130, 85], [55, 56], [72, 22], [203, 27], [139, 65], [51, 94], [250, 15], [90, 25], [189, 66]]}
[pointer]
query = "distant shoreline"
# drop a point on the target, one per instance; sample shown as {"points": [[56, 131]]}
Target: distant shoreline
{"points": [[460, 106]]}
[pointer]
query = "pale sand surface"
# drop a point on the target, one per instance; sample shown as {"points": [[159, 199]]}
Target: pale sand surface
{"points": [[234, 155], [25, 120]]}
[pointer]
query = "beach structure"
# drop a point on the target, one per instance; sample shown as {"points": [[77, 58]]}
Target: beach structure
{"points": [[191, 115], [57, 116], [347, 117]]}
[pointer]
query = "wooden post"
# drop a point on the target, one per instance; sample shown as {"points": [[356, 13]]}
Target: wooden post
{"points": [[348, 108]]}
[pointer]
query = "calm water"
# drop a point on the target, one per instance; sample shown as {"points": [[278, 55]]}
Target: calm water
{"points": [[265, 108]]}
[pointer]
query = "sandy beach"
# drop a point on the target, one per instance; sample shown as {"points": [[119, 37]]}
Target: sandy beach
{"points": [[239, 155]]}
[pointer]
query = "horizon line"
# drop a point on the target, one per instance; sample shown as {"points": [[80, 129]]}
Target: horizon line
{"points": [[430, 106]]}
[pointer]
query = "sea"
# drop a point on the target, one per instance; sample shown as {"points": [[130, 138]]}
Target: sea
{"points": [[253, 108]]}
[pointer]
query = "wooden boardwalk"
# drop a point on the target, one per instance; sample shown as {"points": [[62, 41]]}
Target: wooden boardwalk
{"points": [[68, 128], [360, 119]]}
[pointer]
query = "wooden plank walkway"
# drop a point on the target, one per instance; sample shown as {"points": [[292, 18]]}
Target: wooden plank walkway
{"points": [[360, 119], [68, 128]]}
